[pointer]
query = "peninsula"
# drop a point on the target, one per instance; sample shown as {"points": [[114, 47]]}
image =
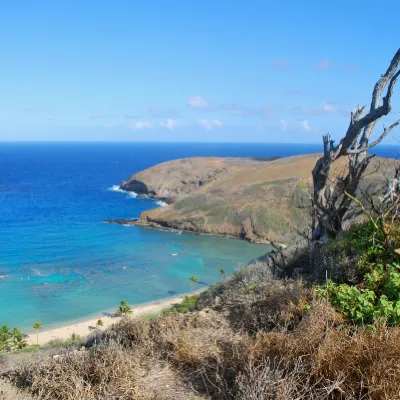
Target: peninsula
{"points": [[251, 199]]}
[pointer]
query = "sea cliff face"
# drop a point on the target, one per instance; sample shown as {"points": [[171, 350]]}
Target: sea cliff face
{"points": [[259, 201]]}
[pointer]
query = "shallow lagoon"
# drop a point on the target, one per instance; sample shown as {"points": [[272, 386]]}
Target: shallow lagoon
{"points": [[60, 262]]}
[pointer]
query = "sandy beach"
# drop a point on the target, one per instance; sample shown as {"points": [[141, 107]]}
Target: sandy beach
{"points": [[83, 328]]}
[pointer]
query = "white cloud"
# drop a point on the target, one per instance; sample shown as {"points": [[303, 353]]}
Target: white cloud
{"points": [[140, 125], [265, 112], [329, 108], [169, 124], [208, 125], [158, 111], [323, 64], [304, 124], [301, 124], [326, 108], [198, 103]]}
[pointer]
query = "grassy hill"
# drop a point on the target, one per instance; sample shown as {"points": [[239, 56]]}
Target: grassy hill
{"points": [[249, 199]]}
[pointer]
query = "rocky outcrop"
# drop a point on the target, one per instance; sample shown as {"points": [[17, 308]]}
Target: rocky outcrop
{"points": [[173, 180], [259, 201]]}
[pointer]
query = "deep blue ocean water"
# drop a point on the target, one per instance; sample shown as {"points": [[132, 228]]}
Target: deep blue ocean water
{"points": [[60, 262]]}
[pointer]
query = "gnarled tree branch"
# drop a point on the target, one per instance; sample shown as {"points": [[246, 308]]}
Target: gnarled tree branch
{"points": [[329, 203]]}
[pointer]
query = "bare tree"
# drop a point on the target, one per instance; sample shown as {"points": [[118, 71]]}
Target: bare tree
{"points": [[329, 202]]}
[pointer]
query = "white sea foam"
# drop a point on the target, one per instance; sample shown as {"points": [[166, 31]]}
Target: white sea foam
{"points": [[116, 188], [174, 254]]}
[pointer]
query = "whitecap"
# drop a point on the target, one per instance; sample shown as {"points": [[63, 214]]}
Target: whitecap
{"points": [[117, 188], [174, 254]]}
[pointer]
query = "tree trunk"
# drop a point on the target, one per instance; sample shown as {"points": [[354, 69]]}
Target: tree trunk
{"points": [[330, 203]]}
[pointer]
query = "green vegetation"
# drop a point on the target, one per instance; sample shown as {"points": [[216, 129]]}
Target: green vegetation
{"points": [[187, 305], [11, 339], [250, 336], [124, 309], [37, 326], [193, 280], [99, 323], [375, 298], [74, 338]]}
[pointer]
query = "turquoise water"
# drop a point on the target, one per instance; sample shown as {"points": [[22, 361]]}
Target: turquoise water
{"points": [[60, 262]]}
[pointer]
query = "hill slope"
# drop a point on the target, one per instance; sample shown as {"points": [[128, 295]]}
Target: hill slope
{"points": [[254, 200]]}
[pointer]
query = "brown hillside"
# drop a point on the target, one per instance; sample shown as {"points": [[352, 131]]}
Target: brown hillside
{"points": [[245, 198]]}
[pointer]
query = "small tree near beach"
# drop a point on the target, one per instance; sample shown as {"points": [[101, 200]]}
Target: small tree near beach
{"points": [[18, 339], [124, 309], [11, 339], [99, 323], [37, 326], [221, 273], [193, 281]]}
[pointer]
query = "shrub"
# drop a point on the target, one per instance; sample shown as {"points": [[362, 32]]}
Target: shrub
{"points": [[377, 298], [377, 294], [188, 304]]}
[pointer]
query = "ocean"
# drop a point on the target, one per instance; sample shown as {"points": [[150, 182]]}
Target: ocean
{"points": [[59, 262]]}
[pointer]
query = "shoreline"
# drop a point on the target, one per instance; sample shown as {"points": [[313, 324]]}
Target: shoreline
{"points": [[151, 225], [84, 327]]}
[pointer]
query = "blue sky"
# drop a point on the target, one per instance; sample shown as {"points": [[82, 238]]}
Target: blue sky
{"points": [[210, 70]]}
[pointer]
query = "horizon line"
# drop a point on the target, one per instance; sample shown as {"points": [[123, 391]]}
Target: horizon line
{"points": [[163, 142]]}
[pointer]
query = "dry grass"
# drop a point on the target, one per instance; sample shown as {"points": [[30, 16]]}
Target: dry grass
{"points": [[272, 341]]}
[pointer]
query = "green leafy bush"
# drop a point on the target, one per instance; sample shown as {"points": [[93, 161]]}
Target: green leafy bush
{"points": [[188, 304], [11, 339], [376, 298]]}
